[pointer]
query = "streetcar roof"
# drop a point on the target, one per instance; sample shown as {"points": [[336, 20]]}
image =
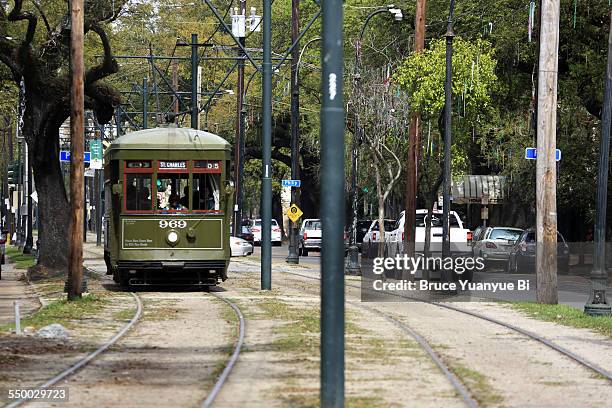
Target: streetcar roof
{"points": [[169, 138]]}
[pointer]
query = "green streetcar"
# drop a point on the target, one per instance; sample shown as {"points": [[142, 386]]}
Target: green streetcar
{"points": [[168, 199]]}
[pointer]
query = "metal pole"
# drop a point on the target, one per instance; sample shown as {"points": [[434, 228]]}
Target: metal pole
{"points": [[99, 187], [145, 103], [77, 145], [414, 146], [19, 191], [293, 256], [598, 305], [194, 81], [29, 243], [447, 138], [546, 170], [239, 132], [332, 208], [266, 180]]}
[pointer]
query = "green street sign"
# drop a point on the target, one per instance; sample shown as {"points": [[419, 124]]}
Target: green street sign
{"points": [[95, 147]]}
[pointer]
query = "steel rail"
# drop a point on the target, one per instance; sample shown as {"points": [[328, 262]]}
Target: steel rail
{"points": [[570, 354], [234, 357], [450, 376], [88, 358]]}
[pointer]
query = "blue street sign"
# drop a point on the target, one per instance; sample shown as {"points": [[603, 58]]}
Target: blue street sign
{"points": [[65, 156], [531, 153], [292, 183]]}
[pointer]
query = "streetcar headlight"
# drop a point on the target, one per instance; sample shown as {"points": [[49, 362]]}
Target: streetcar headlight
{"points": [[172, 237]]}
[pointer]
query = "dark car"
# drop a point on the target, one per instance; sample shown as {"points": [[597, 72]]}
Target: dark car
{"points": [[362, 229], [246, 233], [523, 254]]}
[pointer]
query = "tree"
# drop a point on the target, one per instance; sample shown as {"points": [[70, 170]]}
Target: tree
{"points": [[38, 59]]}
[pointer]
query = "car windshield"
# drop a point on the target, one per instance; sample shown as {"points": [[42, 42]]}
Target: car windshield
{"points": [[505, 234], [436, 220], [313, 225], [389, 225]]}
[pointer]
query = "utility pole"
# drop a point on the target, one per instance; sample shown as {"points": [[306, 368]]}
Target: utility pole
{"points": [[413, 146], [546, 169], [266, 156], [332, 207], [448, 88], [145, 103], [293, 256], [194, 81], [175, 103], [75, 273], [598, 305], [241, 35]]}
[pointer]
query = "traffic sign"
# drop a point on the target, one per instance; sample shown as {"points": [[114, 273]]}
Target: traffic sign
{"points": [[531, 153], [294, 213], [292, 183], [95, 146], [65, 156]]}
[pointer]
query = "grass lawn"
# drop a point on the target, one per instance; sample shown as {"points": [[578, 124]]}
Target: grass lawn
{"points": [[63, 312], [566, 315], [21, 261]]}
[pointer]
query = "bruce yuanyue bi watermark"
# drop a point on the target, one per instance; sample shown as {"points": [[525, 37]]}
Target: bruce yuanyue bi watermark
{"points": [[461, 266]]}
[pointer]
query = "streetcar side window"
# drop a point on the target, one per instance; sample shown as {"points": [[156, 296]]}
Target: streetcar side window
{"points": [[206, 191], [169, 185], [138, 192]]}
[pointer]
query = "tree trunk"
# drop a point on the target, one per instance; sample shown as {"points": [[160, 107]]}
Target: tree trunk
{"points": [[41, 130]]}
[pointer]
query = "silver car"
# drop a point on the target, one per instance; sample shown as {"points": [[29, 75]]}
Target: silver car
{"points": [[495, 244]]}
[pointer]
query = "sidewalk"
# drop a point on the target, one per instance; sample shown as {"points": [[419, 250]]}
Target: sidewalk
{"points": [[12, 289]]}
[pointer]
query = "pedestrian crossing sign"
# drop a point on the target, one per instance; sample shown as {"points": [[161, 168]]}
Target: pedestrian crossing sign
{"points": [[294, 213]]}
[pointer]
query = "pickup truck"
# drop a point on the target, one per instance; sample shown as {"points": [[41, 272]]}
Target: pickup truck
{"points": [[460, 237]]}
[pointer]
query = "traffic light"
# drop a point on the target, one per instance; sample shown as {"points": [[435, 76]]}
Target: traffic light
{"points": [[12, 173]]}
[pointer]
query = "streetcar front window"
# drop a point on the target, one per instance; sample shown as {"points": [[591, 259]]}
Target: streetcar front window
{"points": [[173, 191], [206, 191], [138, 192]]}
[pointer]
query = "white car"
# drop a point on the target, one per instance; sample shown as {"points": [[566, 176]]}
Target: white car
{"points": [[310, 236], [240, 247], [460, 237], [373, 235], [256, 229]]}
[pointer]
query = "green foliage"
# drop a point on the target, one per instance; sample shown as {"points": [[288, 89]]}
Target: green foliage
{"points": [[423, 75]]}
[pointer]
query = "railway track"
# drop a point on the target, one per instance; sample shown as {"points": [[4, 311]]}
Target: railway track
{"points": [[533, 336], [459, 387], [234, 356], [89, 357]]}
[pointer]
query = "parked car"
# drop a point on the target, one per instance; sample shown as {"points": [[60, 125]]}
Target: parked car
{"points": [[459, 236], [477, 233], [523, 254], [310, 236], [495, 243], [373, 234], [255, 226], [240, 247], [246, 233], [3, 237], [362, 229]]}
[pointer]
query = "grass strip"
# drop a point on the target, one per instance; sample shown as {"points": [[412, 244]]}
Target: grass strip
{"points": [[566, 315], [21, 260]]}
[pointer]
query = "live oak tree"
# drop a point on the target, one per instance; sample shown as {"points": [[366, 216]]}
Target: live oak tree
{"points": [[34, 47]]}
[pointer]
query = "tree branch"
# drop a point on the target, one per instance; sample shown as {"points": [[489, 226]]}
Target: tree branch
{"points": [[108, 66], [17, 15]]}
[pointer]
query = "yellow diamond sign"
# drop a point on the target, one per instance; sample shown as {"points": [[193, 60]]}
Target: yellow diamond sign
{"points": [[294, 213]]}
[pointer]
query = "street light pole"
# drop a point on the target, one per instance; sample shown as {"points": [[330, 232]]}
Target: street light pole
{"points": [[447, 138], [353, 267], [332, 208], [293, 256], [266, 180], [598, 305]]}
